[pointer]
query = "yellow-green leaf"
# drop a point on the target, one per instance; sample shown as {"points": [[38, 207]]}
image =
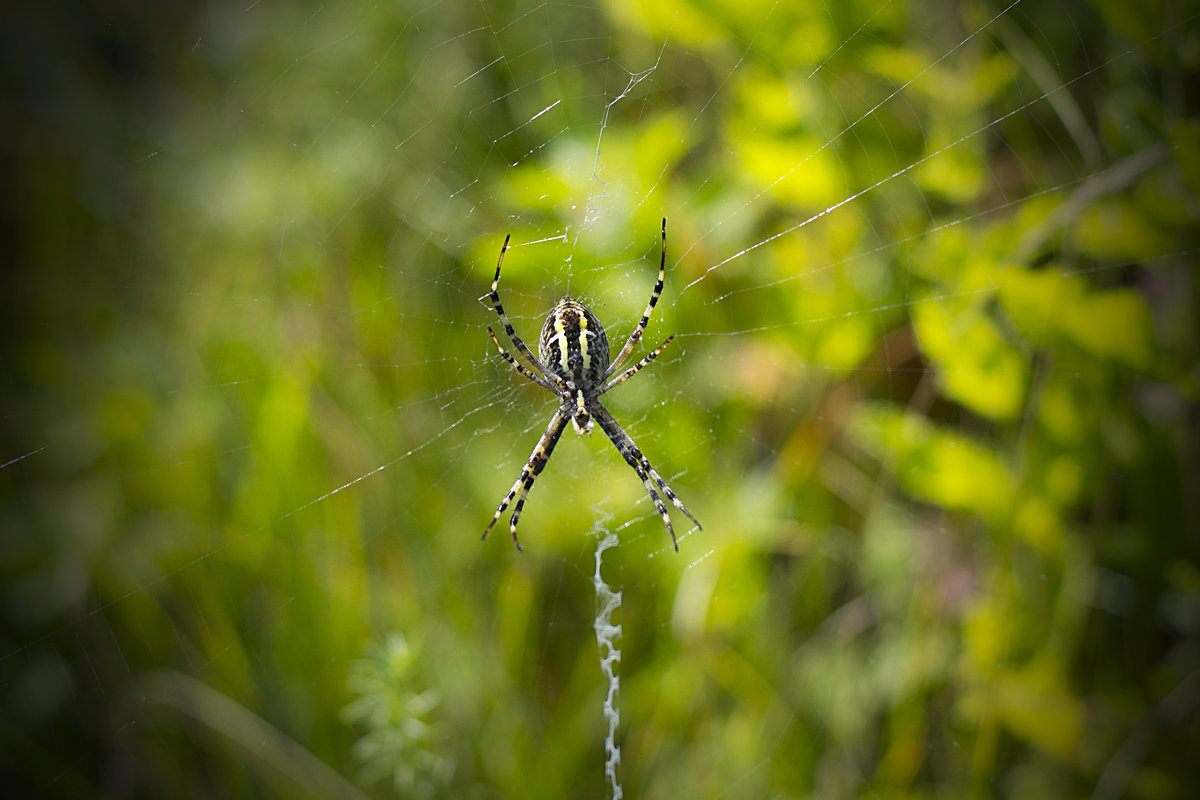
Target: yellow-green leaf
{"points": [[1114, 326], [933, 464], [976, 365]]}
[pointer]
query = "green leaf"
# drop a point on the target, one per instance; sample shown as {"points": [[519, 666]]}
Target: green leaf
{"points": [[931, 463], [845, 343], [1114, 326], [976, 365], [1037, 707], [957, 172], [817, 181], [1047, 306], [1033, 300], [1117, 229]]}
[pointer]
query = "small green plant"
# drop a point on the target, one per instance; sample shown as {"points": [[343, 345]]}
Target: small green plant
{"points": [[399, 742]]}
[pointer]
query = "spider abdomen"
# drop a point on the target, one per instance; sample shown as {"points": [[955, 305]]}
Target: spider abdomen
{"points": [[573, 344]]}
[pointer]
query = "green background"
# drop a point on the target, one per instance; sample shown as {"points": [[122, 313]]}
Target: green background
{"points": [[932, 267]]}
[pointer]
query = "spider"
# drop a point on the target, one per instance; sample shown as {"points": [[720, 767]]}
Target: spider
{"points": [[573, 365]]}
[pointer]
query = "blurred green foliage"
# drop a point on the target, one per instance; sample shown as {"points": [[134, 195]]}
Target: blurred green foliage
{"points": [[934, 398]]}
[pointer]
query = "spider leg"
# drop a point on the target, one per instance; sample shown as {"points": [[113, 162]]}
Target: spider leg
{"points": [[508, 328], [641, 327], [629, 451], [629, 373], [530, 374], [537, 462]]}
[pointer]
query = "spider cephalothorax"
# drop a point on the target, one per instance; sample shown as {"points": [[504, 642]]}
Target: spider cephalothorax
{"points": [[572, 363]]}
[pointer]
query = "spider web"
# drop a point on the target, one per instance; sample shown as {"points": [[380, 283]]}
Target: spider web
{"points": [[255, 425]]}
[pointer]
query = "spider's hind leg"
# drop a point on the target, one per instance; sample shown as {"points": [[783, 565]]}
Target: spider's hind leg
{"points": [[503, 505], [537, 462], [634, 457]]}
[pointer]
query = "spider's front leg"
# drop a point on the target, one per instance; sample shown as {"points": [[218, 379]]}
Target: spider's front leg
{"points": [[636, 336], [537, 462]]}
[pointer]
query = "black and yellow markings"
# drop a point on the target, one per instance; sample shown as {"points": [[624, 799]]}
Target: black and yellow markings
{"points": [[573, 345]]}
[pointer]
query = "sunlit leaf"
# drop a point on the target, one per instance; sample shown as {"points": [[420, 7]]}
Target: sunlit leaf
{"points": [[792, 168], [1036, 706], [1114, 326], [845, 343], [682, 20], [955, 171], [934, 464], [1117, 228], [1036, 521], [1034, 300], [976, 365]]}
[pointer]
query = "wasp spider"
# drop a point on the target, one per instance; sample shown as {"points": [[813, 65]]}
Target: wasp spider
{"points": [[572, 363]]}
